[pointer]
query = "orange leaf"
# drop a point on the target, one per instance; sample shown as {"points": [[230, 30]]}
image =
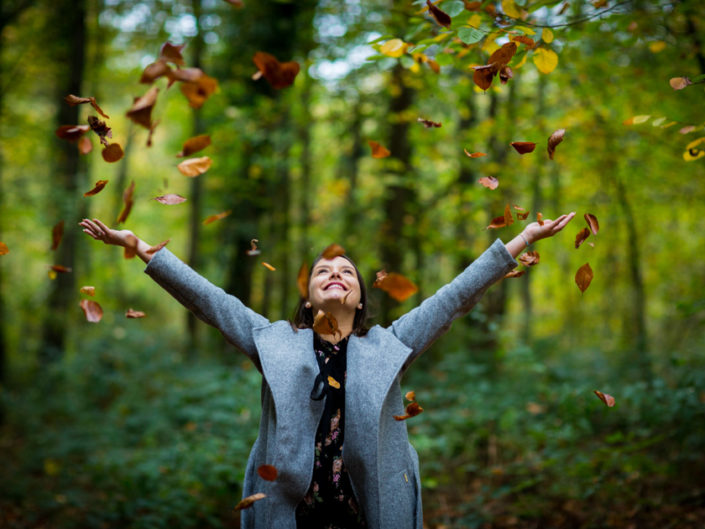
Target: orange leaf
{"points": [[504, 54], [325, 323], [539, 218], [490, 182], [253, 248], [127, 200], [141, 110], [604, 397], [514, 273], [133, 314], [84, 145], [57, 232], [4, 250], [529, 258], [247, 502], [474, 154], [378, 150], [592, 222], [508, 218], [412, 410], [154, 71], [194, 166], [523, 147], [157, 247], [278, 74], [267, 472], [396, 285], [302, 280], [428, 123], [332, 251], [170, 199], [197, 92], [112, 153], [71, 132], [92, 310], [497, 222], [195, 144], [171, 53], [130, 247], [528, 42], [268, 266], [583, 277], [581, 236], [333, 382], [75, 100], [440, 16], [410, 395], [679, 83], [89, 291], [99, 185], [554, 140], [217, 216], [522, 213]]}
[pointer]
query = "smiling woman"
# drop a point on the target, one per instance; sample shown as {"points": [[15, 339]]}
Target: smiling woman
{"points": [[332, 414]]}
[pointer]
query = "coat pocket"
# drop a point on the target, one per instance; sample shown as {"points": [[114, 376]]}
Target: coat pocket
{"points": [[402, 497]]}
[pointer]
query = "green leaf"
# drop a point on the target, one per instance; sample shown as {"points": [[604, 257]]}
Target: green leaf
{"points": [[380, 39], [470, 35], [453, 8], [444, 59], [406, 61], [542, 3]]}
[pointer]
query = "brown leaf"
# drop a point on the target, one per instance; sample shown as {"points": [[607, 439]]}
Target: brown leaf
{"points": [[514, 273], [71, 132], [505, 74], [267, 472], [92, 310], [434, 65], [410, 395], [333, 382], [554, 140], [581, 236], [195, 144], [156, 248], [128, 203], [97, 188], [523, 147], [101, 129], [171, 53], [141, 110], [503, 55], [85, 145], [170, 199], [592, 222], [474, 154], [112, 153], [268, 266], [604, 397], [197, 92], [253, 248], [154, 71], [75, 100], [428, 123], [217, 216], [130, 249], [522, 213], [483, 75], [194, 166], [529, 258], [679, 83], [87, 290], [539, 218], [332, 251], [440, 16], [378, 150], [325, 323], [412, 410], [4, 250], [57, 232], [489, 182], [60, 269], [527, 41], [583, 277], [278, 74], [247, 502], [508, 218], [302, 280], [188, 75], [497, 222], [134, 314], [396, 285]]}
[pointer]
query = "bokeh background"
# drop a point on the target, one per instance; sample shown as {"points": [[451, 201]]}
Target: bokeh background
{"points": [[147, 423]]}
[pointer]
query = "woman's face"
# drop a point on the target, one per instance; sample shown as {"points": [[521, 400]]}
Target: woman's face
{"points": [[333, 283]]}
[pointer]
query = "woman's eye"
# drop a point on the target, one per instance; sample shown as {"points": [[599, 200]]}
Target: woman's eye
{"points": [[348, 272]]}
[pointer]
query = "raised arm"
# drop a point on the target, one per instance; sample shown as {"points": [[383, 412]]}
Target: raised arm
{"points": [[207, 301]]}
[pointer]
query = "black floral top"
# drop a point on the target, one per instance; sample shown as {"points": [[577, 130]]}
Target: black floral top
{"points": [[330, 502]]}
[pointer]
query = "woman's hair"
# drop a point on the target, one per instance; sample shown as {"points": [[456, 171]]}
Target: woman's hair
{"points": [[303, 317]]}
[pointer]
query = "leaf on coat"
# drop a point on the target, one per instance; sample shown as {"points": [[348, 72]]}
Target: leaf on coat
{"points": [[97, 188], [333, 382], [396, 285], [246, 503], [267, 472], [92, 310]]}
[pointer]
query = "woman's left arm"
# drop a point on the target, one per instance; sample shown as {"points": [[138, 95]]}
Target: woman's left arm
{"points": [[420, 327]]}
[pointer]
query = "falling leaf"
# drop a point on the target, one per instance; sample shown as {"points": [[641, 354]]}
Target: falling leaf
{"points": [[154, 71], [474, 154], [141, 110], [489, 182], [278, 74], [440, 16], [60, 269], [75, 100], [508, 218], [156, 248], [333, 382], [393, 48], [581, 236], [193, 145], [170, 199], [88, 290], [4, 250], [245, 503], [267, 472], [134, 314], [529, 258], [187, 75], [253, 248], [583, 277], [101, 129], [197, 92], [522, 213], [378, 150], [97, 188], [92, 310], [194, 166], [332, 251], [428, 123], [657, 46], [692, 151], [554, 140], [324, 323], [396, 285], [57, 232], [514, 273], [171, 53], [268, 266], [217, 216], [112, 153], [523, 147], [412, 410], [539, 218], [637, 120], [497, 222], [302, 280], [679, 83], [592, 222], [130, 248], [545, 60], [128, 203], [85, 145], [71, 132], [684, 130], [410, 395], [604, 397]]}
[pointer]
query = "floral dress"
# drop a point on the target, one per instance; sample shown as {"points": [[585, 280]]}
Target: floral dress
{"points": [[330, 502]]}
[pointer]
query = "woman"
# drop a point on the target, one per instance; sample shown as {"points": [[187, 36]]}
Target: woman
{"points": [[319, 392]]}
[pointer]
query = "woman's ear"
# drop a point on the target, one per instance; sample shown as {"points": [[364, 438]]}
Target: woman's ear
{"points": [[307, 304]]}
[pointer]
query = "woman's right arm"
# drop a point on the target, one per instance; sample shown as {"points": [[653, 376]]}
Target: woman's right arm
{"points": [[207, 301]]}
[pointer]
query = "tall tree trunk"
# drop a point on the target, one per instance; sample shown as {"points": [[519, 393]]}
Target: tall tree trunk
{"points": [[349, 166], [69, 26]]}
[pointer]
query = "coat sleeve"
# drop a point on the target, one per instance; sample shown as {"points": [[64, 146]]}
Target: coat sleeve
{"points": [[420, 327], [207, 301]]}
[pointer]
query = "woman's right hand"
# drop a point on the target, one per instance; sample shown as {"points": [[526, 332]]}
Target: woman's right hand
{"points": [[100, 232]]}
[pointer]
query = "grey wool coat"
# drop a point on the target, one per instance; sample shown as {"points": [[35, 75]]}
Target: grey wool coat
{"points": [[382, 465]]}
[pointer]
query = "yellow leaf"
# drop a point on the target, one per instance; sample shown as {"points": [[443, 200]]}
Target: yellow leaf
{"points": [[545, 60], [51, 467], [333, 382], [475, 20], [511, 9], [692, 152], [547, 35], [521, 62], [657, 46], [638, 120], [393, 48], [525, 30]]}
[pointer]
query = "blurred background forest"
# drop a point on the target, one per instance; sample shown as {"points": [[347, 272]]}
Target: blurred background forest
{"points": [[147, 423]]}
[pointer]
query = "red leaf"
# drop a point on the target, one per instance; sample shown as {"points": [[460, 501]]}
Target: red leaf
{"points": [[89, 291], [197, 92], [101, 129], [57, 232], [157, 247], [194, 166], [99, 185], [604, 397], [141, 110], [92, 310], [84, 145], [302, 280], [154, 71], [268, 266], [428, 123], [278, 74], [410, 395], [523, 147], [412, 410], [504, 54], [378, 150], [75, 100], [4, 250], [474, 154], [325, 323], [514, 273], [581, 236], [267, 472], [71, 132], [592, 222], [529, 258]]}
